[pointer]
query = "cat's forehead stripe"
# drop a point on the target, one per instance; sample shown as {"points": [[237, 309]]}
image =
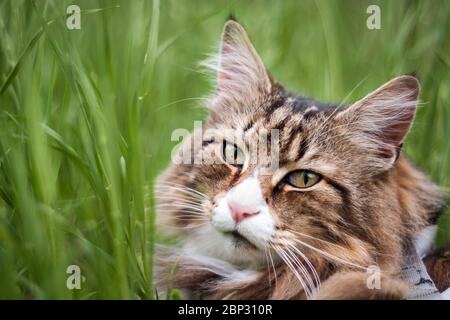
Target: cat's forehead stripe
{"points": [[302, 104], [249, 125], [302, 149], [278, 103]]}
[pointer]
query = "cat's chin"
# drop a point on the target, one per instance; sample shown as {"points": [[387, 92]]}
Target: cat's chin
{"points": [[242, 252], [227, 246], [239, 241]]}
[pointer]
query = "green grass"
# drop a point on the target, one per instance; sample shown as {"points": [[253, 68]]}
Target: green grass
{"points": [[86, 115]]}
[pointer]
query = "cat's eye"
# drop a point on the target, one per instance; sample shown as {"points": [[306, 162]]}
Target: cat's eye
{"points": [[232, 154], [303, 179]]}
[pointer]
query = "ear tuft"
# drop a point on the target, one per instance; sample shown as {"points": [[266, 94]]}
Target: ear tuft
{"points": [[414, 75], [232, 17]]}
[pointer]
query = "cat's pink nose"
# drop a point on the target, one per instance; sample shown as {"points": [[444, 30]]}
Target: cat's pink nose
{"points": [[240, 212]]}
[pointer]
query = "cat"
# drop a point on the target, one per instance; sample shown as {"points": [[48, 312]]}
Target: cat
{"points": [[342, 197]]}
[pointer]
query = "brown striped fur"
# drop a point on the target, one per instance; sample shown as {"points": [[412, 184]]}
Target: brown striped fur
{"points": [[368, 206]]}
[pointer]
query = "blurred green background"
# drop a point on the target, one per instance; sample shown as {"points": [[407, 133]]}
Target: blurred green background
{"points": [[86, 115]]}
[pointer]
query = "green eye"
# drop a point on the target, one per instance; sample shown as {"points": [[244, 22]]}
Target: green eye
{"points": [[232, 154], [303, 179]]}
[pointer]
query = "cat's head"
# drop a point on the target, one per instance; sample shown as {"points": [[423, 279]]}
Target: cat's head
{"points": [[330, 191]]}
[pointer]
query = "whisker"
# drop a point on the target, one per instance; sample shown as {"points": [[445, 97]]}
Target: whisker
{"points": [[188, 215], [330, 243], [303, 270], [188, 227], [184, 202], [179, 205], [178, 199], [189, 224], [286, 260], [194, 223], [180, 187], [180, 100], [296, 262], [186, 193], [268, 266], [314, 238], [185, 188], [273, 267], [309, 264], [169, 210], [329, 255], [169, 206]]}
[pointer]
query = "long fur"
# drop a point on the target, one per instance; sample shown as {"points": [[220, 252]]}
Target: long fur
{"points": [[366, 210]]}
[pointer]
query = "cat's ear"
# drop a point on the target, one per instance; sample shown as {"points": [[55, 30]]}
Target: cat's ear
{"points": [[381, 120], [241, 74]]}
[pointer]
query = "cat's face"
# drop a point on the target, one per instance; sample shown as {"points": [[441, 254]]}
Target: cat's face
{"points": [[315, 186]]}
